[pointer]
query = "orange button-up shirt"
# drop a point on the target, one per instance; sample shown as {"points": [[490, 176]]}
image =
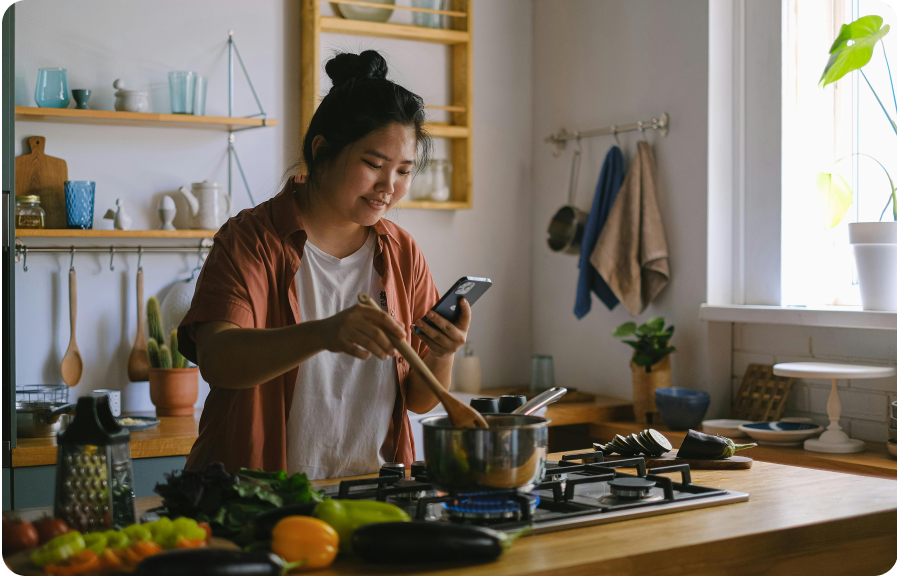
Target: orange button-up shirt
{"points": [[249, 280]]}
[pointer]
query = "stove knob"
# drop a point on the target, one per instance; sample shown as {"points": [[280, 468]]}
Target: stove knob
{"points": [[392, 469], [509, 403], [418, 469]]}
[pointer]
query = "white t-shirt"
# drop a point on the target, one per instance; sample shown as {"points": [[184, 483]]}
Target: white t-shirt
{"points": [[342, 406]]}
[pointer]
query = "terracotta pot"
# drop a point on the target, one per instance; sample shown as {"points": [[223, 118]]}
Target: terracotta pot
{"points": [[174, 390], [643, 385]]}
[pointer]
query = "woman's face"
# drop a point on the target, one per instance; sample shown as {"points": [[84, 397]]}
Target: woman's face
{"points": [[371, 175]]}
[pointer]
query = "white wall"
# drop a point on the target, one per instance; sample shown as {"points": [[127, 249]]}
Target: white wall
{"points": [[101, 40], [603, 62]]}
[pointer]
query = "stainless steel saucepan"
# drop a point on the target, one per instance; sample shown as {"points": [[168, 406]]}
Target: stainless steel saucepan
{"points": [[509, 454], [41, 419]]}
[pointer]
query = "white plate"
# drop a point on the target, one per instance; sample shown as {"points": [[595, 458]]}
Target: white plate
{"points": [[781, 433], [892, 448], [727, 428]]}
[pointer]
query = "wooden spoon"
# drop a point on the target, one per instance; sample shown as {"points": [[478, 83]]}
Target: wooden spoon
{"points": [[460, 414], [138, 362], [72, 365]]}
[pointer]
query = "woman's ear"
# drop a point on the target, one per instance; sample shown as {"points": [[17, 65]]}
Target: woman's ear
{"points": [[316, 145]]}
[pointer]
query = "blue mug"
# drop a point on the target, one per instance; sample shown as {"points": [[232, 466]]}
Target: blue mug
{"points": [[52, 89]]}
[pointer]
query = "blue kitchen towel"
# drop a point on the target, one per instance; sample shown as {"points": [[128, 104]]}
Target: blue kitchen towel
{"points": [[589, 279]]}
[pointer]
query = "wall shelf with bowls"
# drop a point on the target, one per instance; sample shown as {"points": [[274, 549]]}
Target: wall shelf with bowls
{"points": [[116, 118]]}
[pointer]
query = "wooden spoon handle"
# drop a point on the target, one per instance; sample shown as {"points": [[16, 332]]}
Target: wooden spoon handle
{"points": [[409, 354], [140, 314], [73, 301]]}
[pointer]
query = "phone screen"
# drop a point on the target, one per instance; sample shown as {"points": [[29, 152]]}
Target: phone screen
{"points": [[449, 306]]}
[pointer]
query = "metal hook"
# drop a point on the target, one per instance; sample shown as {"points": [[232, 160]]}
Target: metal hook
{"points": [[111, 256], [25, 258], [139, 257], [72, 260], [613, 130], [578, 136], [641, 128]]}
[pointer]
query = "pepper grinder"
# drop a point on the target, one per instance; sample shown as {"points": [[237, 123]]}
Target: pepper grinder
{"points": [[94, 475]]}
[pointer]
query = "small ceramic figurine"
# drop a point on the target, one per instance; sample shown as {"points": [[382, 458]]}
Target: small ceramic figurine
{"points": [[119, 216], [167, 211], [129, 100]]}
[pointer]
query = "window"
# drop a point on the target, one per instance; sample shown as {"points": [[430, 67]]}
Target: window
{"points": [[826, 130]]}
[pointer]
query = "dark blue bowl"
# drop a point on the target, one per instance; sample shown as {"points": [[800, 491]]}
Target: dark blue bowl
{"points": [[680, 408]]}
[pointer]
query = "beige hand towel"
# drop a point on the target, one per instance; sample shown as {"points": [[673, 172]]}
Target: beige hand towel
{"points": [[631, 253]]}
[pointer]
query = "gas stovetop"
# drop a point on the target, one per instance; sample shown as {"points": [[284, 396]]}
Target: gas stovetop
{"points": [[572, 494]]}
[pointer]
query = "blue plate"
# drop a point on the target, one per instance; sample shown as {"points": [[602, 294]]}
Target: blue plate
{"points": [[781, 433], [781, 426]]}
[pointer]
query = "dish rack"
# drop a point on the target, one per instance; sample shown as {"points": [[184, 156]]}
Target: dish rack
{"points": [[44, 393]]}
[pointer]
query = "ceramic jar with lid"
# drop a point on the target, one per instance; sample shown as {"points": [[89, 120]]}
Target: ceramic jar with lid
{"points": [[29, 213]]}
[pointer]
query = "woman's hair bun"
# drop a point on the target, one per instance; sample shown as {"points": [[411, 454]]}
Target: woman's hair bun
{"points": [[344, 67]]}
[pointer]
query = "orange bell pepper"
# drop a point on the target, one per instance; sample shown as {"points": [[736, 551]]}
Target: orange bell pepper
{"points": [[185, 543], [110, 561], [298, 538], [207, 528], [84, 561]]}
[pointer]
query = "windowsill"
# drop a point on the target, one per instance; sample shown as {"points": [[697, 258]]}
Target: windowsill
{"points": [[832, 316]]}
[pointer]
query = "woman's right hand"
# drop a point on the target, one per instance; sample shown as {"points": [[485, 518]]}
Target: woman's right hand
{"points": [[361, 331]]}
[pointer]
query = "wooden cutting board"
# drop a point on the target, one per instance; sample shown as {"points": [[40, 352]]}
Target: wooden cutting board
{"points": [[669, 459], [20, 563], [37, 173]]}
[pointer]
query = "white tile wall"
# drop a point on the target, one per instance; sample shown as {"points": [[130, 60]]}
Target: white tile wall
{"points": [[865, 404]]}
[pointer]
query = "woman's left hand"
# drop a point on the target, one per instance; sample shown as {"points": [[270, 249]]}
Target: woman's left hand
{"points": [[449, 337]]}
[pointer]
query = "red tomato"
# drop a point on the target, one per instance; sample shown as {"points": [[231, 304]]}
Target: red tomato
{"points": [[18, 535], [49, 528]]}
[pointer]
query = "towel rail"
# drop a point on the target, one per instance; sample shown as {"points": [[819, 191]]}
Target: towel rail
{"points": [[559, 139]]}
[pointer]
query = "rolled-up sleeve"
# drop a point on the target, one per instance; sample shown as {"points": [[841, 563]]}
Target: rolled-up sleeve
{"points": [[222, 292], [423, 296]]}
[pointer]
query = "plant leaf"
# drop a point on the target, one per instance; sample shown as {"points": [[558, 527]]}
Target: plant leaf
{"points": [[623, 330], [655, 324], [836, 197], [642, 360], [846, 58]]}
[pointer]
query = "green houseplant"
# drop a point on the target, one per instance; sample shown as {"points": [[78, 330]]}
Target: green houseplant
{"points": [[174, 386], [650, 364], [874, 243]]}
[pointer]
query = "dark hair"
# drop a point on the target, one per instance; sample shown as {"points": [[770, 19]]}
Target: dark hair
{"points": [[361, 100]]}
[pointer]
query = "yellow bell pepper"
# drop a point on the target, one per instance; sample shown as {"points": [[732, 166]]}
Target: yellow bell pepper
{"points": [[303, 538]]}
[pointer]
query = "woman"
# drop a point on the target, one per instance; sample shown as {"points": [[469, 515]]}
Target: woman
{"points": [[302, 377]]}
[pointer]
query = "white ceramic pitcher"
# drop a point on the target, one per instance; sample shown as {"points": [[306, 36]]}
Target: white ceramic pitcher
{"points": [[209, 205]]}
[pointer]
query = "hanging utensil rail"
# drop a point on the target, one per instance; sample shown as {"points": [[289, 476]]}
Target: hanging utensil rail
{"points": [[22, 250], [559, 139]]}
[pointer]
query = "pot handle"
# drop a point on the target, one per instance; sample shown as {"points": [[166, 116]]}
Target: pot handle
{"points": [[571, 194], [540, 401], [52, 417]]}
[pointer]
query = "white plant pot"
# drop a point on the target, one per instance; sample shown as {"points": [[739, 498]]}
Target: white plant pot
{"points": [[875, 252]]}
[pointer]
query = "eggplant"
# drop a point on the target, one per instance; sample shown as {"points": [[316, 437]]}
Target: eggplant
{"points": [[259, 528], [430, 543], [213, 562], [700, 446]]}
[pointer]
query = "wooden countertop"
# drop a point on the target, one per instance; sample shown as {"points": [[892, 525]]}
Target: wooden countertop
{"points": [[875, 461], [797, 521], [174, 436]]}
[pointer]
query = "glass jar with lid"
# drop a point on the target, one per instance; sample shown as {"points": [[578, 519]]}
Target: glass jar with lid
{"points": [[29, 213]]}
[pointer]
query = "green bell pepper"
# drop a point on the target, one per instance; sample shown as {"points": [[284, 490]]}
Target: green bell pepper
{"points": [[96, 541], [58, 549], [117, 540], [347, 515], [137, 532]]}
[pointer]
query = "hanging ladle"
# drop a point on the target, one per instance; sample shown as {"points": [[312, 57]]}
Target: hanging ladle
{"points": [[72, 364], [565, 231]]}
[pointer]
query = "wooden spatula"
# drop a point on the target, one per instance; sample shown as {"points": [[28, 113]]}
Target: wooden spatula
{"points": [[138, 362], [460, 414], [72, 365]]}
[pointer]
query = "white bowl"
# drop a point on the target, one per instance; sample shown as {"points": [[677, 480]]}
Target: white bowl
{"points": [[893, 434], [727, 428], [892, 448], [781, 433]]}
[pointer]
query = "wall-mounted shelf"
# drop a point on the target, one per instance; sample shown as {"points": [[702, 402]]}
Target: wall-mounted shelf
{"points": [[457, 36], [108, 117], [59, 233], [394, 31]]}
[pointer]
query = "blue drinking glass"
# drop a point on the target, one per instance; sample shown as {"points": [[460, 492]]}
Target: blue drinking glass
{"points": [[182, 86], [52, 90], [79, 196]]}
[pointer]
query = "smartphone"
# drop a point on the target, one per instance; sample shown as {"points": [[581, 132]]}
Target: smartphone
{"points": [[449, 306]]}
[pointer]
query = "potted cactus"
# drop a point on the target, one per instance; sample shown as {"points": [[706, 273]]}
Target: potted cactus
{"points": [[174, 386]]}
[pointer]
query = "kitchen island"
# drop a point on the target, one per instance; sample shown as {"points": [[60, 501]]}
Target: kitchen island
{"points": [[797, 521]]}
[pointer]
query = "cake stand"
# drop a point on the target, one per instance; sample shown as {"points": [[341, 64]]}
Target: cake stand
{"points": [[834, 439]]}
